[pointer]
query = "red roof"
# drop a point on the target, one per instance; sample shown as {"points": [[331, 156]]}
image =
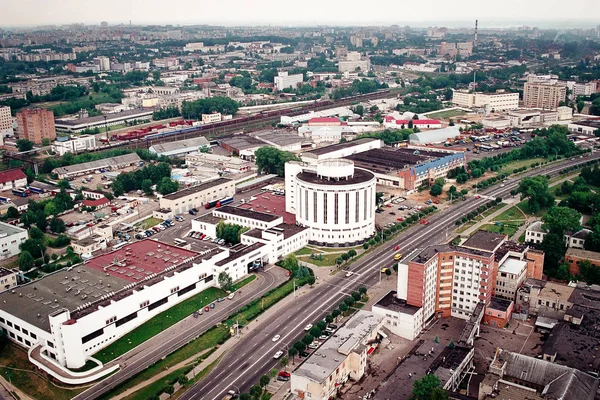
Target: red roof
{"points": [[323, 119], [12, 175], [96, 202]]}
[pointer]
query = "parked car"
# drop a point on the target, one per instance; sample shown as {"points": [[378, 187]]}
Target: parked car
{"points": [[284, 376]]}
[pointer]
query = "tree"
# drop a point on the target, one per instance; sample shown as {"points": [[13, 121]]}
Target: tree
{"points": [[343, 307], [147, 186], [311, 280], [167, 185], [57, 225], [12, 213], [270, 160], [560, 220], [284, 362], [388, 272], [292, 353], [245, 396], [535, 189], [352, 253], [24, 145], [35, 233], [26, 261], [329, 319], [63, 184], [590, 273], [264, 381], [554, 249], [225, 281], [315, 331], [118, 188], [435, 190], [256, 391], [46, 142], [362, 290], [428, 388]]}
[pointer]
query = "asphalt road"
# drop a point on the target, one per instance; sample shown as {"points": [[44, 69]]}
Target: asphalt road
{"points": [[180, 334], [253, 356]]}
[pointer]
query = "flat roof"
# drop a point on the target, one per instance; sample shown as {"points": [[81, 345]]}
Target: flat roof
{"points": [[10, 229], [239, 251], [100, 118], [339, 146], [272, 204], [392, 303], [484, 240], [586, 254], [288, 230], [125, 159], [512, 266], [198, 188], [428, 252], [499, 304], [242, 142], [209, 218], [385, 160], [334, 351], [360, 176], [5, 271], [246, 213], [180, 145]]}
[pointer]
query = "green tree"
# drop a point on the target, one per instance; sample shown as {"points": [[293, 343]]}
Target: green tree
{"points": [[46, 142], [57, 225], [225, 281], [270, 160], [292, 353], [435, 190], [63, 184], [554, 249], [284, 362], [560, 220], [428, 388], [147, 186], [310, 280], [118, 188], [26, 261], [35, 233], [590, 273], [24, 145], [167, 185], [256, 391], [535, 189], [388, 272], [12, 213], [169, 389], [245, 396]]}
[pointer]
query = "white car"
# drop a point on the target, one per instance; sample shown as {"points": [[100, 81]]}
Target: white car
{"points": [[276, 338], [278, 354], [307, 327], [313, 345], [348, 274]]}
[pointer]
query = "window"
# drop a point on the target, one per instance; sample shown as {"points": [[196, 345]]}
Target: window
{"points": [[144, 304], [111, 320], [325, 208], [347, 208], [356, 207], [336, 203], [315, 207], [175, 289]]}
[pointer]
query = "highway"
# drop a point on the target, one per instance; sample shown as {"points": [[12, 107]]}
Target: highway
{"points": [[253, 356], [178, 335]]}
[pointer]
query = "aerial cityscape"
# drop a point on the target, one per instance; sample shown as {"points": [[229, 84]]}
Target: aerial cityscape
{"points": [[287, 202]]}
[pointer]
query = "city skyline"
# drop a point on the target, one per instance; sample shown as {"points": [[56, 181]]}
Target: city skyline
{"points": [[268, 12]]}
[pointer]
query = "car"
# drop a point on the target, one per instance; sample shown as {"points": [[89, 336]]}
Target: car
{"points": [[329, 330], [502, 185], [192, 212], [220, 299], [348, 274], [477, 197], [284, 376], [212, 305], [392, 213], [396, 247], [276, 338], [323, 337], [333, 326], [400, 219], [304, 354], [278, 354], [397, 256], [230, 297], [307, 327], [383, 270], [207, 308], [389, 205], [424, 222], [313, 345]]}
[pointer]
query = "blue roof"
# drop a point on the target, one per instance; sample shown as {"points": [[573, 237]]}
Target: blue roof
{"points": [[444, 161]]}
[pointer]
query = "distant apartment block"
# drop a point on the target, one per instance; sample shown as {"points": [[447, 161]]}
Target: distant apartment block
{"points": [[283, 80], [36, 124], [75, 144], [354, 62], [500, 101], [6, 123], [543, 95]]}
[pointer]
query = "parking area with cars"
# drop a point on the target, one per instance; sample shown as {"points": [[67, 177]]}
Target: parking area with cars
{"points": [[398, 210]]}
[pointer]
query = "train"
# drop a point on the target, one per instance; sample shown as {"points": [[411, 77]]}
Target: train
{"points": [[150, 133], [218, 203]]}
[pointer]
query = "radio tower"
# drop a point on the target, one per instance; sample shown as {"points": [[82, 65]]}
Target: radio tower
{"points": [[475, 38]]}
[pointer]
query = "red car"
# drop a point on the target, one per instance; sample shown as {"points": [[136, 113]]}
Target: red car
{"points": [[400, 219], [477, 197], [207, 308], [389, 205], [396, 247], [424, 222]]}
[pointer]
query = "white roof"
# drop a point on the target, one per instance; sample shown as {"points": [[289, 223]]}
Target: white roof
{"points": [[512, 266], [434, 136]]}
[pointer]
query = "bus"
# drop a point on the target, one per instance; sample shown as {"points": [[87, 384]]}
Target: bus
{"points": [[20, 192], [179, 242]]}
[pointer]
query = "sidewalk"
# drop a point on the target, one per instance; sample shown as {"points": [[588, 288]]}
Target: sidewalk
{"points": [[509, 204]]}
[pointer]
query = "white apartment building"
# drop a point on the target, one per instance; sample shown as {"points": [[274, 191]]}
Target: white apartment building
{"points": [[543, 95], [511, 274], [354, 62], [284, 80], [74, 144], [103, 63], [197, 196], [499, 101], [6, 123], [10, 238]]}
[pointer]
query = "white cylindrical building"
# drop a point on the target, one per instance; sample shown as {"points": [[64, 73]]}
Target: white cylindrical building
{"points": [[336, 201]]}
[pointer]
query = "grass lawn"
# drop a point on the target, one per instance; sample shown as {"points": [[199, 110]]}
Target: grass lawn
{"points": [[511, 214], [465, 226], [31, 383], [304, 251], [327, 261], [150, 222], [508, 228], [243, 283], [254, 308], [508, 168], [492, 210], [445, 114], [524, 206], [158, 324]]}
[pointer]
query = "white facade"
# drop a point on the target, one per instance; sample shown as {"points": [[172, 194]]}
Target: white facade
{"points": [[210, 118], [6, 123], [197, 196], [501, 101], [10, 239], [103, 63], [334, 199], [341, 150], [75, 144], [582, 128], [511, 273], [283, 80], [8, 278]]}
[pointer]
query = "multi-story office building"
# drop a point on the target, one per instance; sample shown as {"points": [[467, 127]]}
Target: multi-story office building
{"points": [[197, 196], [36, 124], [499, 101], [75, 144], [11, 238], [543, 95], [283, 80], [6, 123]]}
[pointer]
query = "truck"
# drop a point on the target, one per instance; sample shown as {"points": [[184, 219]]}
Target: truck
{"points": [[36, 190], [224, 201]]}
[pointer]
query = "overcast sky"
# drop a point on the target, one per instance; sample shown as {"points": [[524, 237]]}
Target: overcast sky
{"points": [[305, 12]]}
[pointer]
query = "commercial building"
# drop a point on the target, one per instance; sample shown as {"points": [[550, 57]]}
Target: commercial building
{"points": [[341, 357], [69, 316], [493, 102], [354, 62], [511, 274], [544, 95], [543, 298], [35, 124], [574, 257], [6, 123], [532, 118], [517, 376], [434, 136], [282, 140], [223, 163], [210, 118], [77, 125], [197, 196], [10, 238], [391, 122], [332, 198], [12, 179], [179, 148], [587, 127], [283, 80], [111, 163], [341, 150], [8, 278], [74, 144], [243, 146]]}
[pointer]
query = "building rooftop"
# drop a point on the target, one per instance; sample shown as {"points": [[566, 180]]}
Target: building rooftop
{"points": [[9, 230], [511, 247], [125, 159], [392, 303], [485, 241], [335, 147], [238, 251], [333, 352], [585, 254], [179, 146], [387, 160], [359, 176], [100, 118], [536, 226], [288, 230], [242, 142], [427, 253], [246, 213], [5, 272], [582, 234], [209, 218], [512, 266], [198, 188], [448, 361], [280, 138], [499, 304], [12, 175]]}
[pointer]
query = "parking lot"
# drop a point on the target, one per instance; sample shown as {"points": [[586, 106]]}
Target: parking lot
{"points": [[398, 210]]}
